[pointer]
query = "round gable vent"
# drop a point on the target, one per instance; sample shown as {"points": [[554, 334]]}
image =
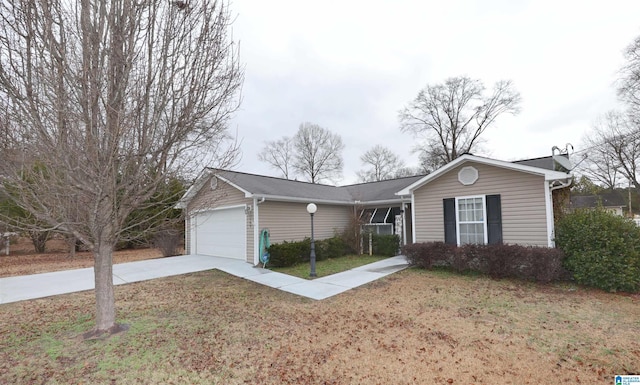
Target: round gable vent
{"points": [[468, 175], [214, 183]]}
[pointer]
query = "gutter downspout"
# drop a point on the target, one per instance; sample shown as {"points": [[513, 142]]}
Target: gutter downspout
{"points": [[404, 223], [549, 202], [413, 218], [256, 230]]}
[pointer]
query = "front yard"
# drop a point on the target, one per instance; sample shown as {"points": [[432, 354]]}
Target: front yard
{"points": [[413, 327], [329, 266]]}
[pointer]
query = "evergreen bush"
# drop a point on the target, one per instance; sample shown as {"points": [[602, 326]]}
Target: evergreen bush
{"points": [[288, 253], [603, 249], [333, 247], [292, 253], [385, 245]]}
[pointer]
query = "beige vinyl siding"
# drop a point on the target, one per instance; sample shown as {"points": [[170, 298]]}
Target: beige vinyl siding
{"points": [[521, 194], [224, 195], [288, 221]]}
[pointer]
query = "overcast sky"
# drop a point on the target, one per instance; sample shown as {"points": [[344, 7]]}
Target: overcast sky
{"points": [[350, 66]]}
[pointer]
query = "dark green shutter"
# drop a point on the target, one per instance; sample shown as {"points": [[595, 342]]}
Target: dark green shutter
{"points": [[449, 207], [494, 219]]}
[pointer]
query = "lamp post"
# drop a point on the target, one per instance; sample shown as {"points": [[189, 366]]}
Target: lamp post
{"points": [[311, 209]]}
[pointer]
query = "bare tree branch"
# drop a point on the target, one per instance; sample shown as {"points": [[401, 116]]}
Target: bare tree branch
{"points": [[629, 84], [318, 153], [614, 150], [279, 154], [383, 164], [452, 116]]}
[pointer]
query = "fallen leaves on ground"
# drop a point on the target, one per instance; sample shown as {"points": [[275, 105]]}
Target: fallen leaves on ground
{"points": [[413, 327], [23, 260]]}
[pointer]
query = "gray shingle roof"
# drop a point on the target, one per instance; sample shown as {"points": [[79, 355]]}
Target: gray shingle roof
{"points": [[380, 191], [260, 185], [545, 162]]}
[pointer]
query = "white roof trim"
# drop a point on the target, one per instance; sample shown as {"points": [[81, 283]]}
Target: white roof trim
{"points": [[402, 199], [549, 175], [279, 198], [200, 181], [193, 189]]}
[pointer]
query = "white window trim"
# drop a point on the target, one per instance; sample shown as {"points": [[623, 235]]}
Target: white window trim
{"points": [[484, 217]]}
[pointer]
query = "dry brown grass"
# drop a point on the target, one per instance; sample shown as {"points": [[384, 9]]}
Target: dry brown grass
{"points": [[414, 327], [23, 260]]}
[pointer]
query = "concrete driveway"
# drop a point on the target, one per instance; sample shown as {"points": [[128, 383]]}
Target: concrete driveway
{"points": [[13, 289]]}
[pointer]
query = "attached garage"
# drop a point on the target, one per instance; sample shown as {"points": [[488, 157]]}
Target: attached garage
{"points": [[220, 232]]}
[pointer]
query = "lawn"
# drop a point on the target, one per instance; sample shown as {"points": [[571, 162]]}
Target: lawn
{"points": [[412, 327], [329, 266]]}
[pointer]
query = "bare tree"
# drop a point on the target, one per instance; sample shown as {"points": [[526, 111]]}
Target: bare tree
{"points": [[585, 186], [629, 84], [279, 154], [452, 116], [429, 156], [613, 150], [601, 163], [614, 142], [382, 164], [106, 100], [318, 153]]}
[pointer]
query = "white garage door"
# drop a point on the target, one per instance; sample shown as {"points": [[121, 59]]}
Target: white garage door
{"points": [[221, 233]]}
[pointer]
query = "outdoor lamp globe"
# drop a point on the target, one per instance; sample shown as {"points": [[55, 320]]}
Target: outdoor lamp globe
{"points": [[312, 208]]}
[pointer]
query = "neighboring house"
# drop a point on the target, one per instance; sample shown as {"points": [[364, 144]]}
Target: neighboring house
{"points": [[471, 199], [611, 201]]}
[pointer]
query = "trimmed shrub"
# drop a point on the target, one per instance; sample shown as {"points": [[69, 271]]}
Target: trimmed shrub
{"points": [[603, 249], [288, 253], [426, 255], [498, 261], [385, 245], [547, 265], [292, 253], [463, 258], [470, 257], [333, 247]]}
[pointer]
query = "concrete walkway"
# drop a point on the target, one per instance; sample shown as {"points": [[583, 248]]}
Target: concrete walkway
{"points": [[13, 289]]}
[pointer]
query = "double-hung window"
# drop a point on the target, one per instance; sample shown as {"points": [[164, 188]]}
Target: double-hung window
{"points": [[471, 220]]}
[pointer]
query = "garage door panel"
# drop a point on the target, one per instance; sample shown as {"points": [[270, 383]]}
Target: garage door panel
{"points": [[221, 233]]}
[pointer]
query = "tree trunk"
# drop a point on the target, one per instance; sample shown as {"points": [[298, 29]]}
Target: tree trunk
{"points": [[72, 242], [105, 299], [39, 240]]}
